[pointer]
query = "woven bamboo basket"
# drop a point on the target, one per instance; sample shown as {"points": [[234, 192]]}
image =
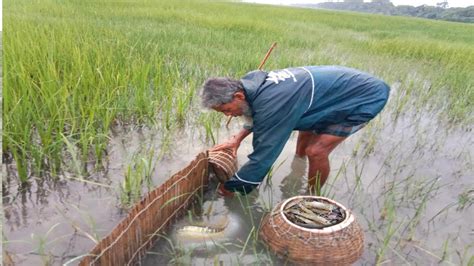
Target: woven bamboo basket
{"points": [[223, 163], [146, 221], [339, 244]]}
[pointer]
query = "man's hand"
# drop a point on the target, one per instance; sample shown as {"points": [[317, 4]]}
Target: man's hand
{"points": [[233, 144], [224, 192]]}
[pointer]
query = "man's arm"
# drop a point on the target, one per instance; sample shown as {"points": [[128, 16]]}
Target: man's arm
{"points": [[234, 141], [237, 138]]}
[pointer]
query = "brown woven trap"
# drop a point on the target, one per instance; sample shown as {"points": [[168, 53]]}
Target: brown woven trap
{"points": [[338, 244], [147, 220], [223, 163]]}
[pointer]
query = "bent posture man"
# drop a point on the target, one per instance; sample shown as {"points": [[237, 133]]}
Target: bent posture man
{"points": [[325, 103]]}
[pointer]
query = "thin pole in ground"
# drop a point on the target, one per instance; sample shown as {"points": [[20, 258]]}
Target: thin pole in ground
{"points": [[259, 68]]}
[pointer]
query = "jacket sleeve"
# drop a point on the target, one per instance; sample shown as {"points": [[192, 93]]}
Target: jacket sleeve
{"points": [[270, 135]]}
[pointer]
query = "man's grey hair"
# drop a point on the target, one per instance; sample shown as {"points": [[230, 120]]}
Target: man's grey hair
{"points": [[217, 91]]}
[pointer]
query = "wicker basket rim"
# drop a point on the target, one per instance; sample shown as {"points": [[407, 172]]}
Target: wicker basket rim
{"points": [[327, 230]]}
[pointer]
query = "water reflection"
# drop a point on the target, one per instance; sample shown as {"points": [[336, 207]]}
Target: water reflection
{"points": [[295, 182], [385, 159]]}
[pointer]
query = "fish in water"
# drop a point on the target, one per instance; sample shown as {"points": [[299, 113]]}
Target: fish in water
{"points": [[193, 231], [196, 236]]}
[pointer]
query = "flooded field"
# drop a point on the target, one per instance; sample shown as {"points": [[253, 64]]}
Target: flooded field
{"points": [[101, 106], [409, 182], [412, 193], [53, 221]]}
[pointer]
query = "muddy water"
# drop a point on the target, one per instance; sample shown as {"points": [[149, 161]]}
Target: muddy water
{"points": [[405, 179], [416, 164], [53, 222]]}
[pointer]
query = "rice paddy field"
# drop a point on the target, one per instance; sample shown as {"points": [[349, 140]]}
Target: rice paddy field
{"points": [[101, 104]]}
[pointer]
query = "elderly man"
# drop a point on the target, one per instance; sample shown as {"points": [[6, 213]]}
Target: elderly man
{"points": [[325, 103]]}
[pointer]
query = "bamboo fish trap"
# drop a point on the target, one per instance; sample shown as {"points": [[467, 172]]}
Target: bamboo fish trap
{"points": [[339, 244], [137, 232], [223, 163]]}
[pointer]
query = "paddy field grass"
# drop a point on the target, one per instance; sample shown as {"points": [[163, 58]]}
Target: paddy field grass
{"points": [[101, 95], [74, 69]]}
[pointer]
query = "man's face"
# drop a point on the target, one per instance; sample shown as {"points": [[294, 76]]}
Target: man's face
{"points": [[230, 109], [237, 107]]}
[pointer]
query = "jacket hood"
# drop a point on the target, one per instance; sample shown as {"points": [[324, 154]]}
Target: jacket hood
{"points": [[251, 82]]}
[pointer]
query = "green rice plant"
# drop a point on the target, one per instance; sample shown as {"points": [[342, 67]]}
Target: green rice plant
{"points": [[178, 255], [184, 101], [374, 129], [75, 69], [316, 190], [137, 174], [77, 165], [358, 172], [210, 122], [425, 196], [444, 257], [465, 199], [78, 68], [250, 235], [41, 244], [327, 190], [466, 257], [92, 233], [389, 211], [273, 168]]}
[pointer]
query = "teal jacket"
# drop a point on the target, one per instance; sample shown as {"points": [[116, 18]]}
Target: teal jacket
{"points": [[302, 98]]}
